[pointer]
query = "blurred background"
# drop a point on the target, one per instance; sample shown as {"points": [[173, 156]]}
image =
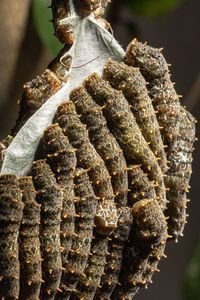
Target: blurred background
{"points": [[27, 46]]}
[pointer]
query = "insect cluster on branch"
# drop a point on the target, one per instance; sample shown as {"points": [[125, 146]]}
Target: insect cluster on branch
{"points": [[108, 187]]}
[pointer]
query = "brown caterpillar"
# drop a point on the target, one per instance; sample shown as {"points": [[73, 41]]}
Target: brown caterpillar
{"points": [[62, 159], [36, 92], [133, 86], [149, 228], [80, 249], [142, 264], [139, 185], [11, 210], [150, 60], [116, 244], [178, 178], [3, 145], [155, 70], [176, 126], [61, 10], [89, 283], [49, 195], [29, 243], [95, 6], [126, 131], [105, 144], [88, 158]]}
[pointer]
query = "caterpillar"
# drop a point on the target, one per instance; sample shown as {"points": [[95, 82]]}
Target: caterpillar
{"points": [[61, 9], [29, 243], [62, 159], [36, 92], [161, 90], [104, 142], [180, 155], [87, 157], [116, 245], [133, 86], [95, 6], [150, 60], [149, 229], [81, 242], [176, 125], [50, 196], [178, 177], [126, 130], [3, 146], [11, 211]]}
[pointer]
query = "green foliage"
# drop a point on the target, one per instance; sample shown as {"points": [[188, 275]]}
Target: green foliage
{"points": [[152, 8], [191, 287], [42, 16]]}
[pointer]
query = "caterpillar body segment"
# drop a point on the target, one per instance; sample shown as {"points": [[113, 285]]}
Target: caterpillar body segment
{"points": [[140, 187], [50, 196], [96, 264]]}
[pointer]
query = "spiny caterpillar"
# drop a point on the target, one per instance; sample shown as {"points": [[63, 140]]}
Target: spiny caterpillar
{"points": [[61, 10], [29, 243], [36, 92], [11, 211], [50, 196], [85, 203], [133, 86], [87, 157], [62, 159], [178, 178], [104, 142], [149, 229], [116, 246], [92, 5], [176, 124], [138, 261], [3, 146]]}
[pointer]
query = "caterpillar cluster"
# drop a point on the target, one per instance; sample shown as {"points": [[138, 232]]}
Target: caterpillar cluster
{"points": [[92, 219]]}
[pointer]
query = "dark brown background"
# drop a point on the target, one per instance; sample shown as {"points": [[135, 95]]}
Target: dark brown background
{"points": [[22, 57]]}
